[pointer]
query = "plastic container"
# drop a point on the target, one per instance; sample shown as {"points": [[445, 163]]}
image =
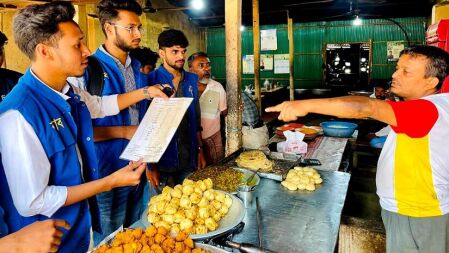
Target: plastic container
{"points": [[338, 128]]}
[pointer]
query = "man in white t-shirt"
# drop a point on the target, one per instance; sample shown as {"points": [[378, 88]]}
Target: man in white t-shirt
{"points": [[212, 104]]}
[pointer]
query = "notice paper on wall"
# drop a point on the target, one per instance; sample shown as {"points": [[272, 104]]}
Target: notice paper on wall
{"points": [[268, 40], [281, 64], [156, 129]]}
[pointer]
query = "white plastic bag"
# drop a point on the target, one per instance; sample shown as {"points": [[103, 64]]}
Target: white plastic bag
{"points": [[254, 138]]}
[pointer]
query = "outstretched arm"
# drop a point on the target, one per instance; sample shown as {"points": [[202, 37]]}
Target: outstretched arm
{"points": [[342, 107]]}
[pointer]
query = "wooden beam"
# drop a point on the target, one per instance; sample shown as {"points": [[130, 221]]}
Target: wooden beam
{"points": [[233, 21], [256, 42], [291, 52]]}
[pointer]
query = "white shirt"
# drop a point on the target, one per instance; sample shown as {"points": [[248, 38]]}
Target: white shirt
{"points": [[212, 103], [25, 163]]}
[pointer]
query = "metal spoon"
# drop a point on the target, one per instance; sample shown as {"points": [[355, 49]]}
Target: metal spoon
{"points": [[251, 177]]}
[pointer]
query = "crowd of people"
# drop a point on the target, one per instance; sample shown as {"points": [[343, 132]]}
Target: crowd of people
{"points": [[62, 131]]}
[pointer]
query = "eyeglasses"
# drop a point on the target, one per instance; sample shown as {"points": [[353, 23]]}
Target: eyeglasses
{"points": [[131, 29]]}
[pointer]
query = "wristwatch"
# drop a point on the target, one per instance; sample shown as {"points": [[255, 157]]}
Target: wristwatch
{"points": [[146, 94]]}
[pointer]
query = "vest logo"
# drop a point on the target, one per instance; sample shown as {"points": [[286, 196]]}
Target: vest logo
{"points": [[191, 90], [3, 97], [56, 123], [105, 75]]}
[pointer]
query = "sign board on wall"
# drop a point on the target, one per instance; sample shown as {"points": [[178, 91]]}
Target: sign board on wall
{"points": [[268, 40], [394, 48], [281, 64], [266, 63]]}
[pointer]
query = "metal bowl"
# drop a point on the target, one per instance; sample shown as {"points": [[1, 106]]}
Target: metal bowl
{"points": [[246, 175], [338, 128], [233, 218]]}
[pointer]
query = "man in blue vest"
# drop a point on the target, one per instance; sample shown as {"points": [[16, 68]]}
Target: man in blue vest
{"points": [[184, 154], [49, 167], [123, 30]]}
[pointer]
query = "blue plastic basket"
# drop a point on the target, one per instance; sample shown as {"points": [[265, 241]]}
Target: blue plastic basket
{"points": [[338, 128]]}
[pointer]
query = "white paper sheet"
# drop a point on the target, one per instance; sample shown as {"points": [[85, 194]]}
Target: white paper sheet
{"points": [[156, 129]]}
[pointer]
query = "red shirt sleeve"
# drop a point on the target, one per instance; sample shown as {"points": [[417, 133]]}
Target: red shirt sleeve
{"points": [[414, 118]]}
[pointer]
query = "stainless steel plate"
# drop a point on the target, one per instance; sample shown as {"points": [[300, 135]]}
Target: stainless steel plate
{"points": [[233, 218]]}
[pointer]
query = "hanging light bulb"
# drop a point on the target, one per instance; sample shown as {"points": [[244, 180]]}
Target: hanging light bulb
{"points": [[357, 21], [197, 4]]}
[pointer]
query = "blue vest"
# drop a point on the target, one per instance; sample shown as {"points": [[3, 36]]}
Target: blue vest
{"points": [[189, 88], [3, 225], [51, 118], [114, 83]]}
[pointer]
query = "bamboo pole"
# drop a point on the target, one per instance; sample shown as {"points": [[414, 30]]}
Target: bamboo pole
{"points": [[291, 52], [233, 21], [256, 44]]}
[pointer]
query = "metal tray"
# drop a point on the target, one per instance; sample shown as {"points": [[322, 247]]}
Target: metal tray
{"points": [[280, 166], [246, 175], [232, 219]]}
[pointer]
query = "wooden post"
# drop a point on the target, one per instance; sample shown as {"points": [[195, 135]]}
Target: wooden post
{"points": [[82, 21], [233, 21], [291, 52], [256, 42]]}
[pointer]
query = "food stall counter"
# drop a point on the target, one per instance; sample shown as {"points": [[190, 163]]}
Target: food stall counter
{"points": [[297, 221]]}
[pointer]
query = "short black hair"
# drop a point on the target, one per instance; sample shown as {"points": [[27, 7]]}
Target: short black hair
{"points": [[438, 65], [3, 39], [172, 37], [145, 56], [108, 10], [383, 83], [194, 56], [39, 23]]}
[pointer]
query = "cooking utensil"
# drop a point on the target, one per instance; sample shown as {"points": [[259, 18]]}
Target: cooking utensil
{"points": [[245, 193], [247, 247], [259, 222], [252, 176]]}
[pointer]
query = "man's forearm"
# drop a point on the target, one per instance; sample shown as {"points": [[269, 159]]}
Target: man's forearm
{"points": [[83, 191], [351, 107], [10, 244], [125, 100]]}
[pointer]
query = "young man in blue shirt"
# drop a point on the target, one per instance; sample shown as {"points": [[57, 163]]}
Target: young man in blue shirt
{"points": [[46, 137], [123, 30], [184, 154]]}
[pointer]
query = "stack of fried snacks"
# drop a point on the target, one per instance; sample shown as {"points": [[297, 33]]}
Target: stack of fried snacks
{"points": [[302, 178], [254, 160], [193, 207], [153, 239]]}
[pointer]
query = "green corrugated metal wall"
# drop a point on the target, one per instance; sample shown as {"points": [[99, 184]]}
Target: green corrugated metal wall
{"points": [[309, 40]]}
